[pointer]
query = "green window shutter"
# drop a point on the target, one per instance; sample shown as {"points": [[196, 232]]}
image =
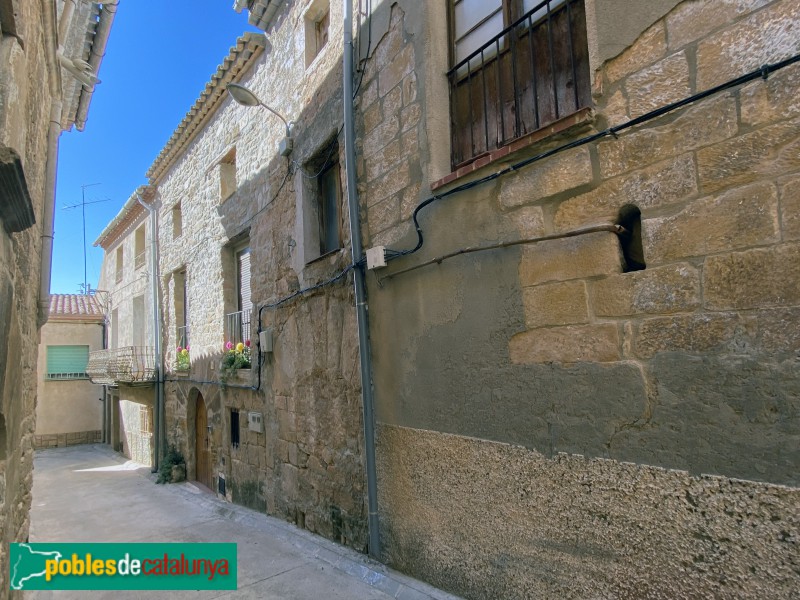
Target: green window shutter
{"points": [[67, 362]]}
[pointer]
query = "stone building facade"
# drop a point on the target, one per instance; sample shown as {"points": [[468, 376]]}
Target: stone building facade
{"points": [[593, 414], [38, 99], [127, 366], [241, 229], [67, 407]]}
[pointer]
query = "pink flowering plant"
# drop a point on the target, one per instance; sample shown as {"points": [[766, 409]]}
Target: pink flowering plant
{"points": [[236, 357], [182, 362]]}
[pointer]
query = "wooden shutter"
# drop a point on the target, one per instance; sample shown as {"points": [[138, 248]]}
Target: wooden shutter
{"points": [[245, 303]]}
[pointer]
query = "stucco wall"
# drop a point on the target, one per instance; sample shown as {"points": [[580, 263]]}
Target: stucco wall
{"points": [[68, 406], [592, 411], [307, 464]]}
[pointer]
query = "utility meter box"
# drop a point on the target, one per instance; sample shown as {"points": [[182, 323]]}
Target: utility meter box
{"points": [[255, 422], [265, 340]]}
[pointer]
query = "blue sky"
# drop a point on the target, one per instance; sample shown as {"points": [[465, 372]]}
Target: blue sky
{"points": [[160, 56]]}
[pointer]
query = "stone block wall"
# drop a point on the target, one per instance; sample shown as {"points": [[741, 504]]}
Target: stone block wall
{"points": [[657, 406], [306, 466], [25, 102]]}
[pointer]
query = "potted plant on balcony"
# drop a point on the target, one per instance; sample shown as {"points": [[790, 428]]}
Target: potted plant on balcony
{"points": [[235, 358], [182, 361]]}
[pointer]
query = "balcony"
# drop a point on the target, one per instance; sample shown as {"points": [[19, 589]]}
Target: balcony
{"points": [[139, 260], [237, 327], [130, 365]]}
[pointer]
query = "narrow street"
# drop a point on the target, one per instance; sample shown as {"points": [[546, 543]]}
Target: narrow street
{"points": [[90, 494]]}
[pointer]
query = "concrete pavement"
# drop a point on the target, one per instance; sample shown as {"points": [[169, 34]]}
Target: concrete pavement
{"points": [[91, 494]]}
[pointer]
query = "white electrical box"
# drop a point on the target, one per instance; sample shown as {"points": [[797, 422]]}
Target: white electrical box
{"points": [[376, 257], [265, 340], [255, 422]]}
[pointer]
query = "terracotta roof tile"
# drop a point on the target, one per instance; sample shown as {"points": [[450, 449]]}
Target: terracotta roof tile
{"points": [[75, 306]]}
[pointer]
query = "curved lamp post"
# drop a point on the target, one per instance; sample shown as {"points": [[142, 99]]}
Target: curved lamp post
{"points": [[246, 97]]}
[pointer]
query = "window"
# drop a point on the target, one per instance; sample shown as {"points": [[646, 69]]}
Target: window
{"points": [[329, 200], [138, 251], [234, 428], [227, 175], [119, 265], [317, 22], [630, 217], [177, 221], [181, 302], [115, 328], [67, 362], [139, 326], [518, 65], [237, 319]]}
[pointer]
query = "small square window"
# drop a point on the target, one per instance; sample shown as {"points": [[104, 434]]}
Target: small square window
{"points": [[120, 265], [227, 175], [317, 23], [177, 221], [138, 250]]}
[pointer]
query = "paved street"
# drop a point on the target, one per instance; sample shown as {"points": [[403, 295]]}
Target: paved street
{"points": [[90, 494]]}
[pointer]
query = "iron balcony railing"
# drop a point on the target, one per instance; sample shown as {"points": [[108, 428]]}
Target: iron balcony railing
{"points": [[237, 327], [532, 73], [118, 278], [129, 364], [139, 260]]}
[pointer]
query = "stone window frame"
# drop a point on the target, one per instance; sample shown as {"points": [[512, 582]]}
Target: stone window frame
{"points": [[316, 25], [324, 159]]}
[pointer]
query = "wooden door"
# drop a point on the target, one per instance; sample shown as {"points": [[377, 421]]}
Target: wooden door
{"points": [[202, 445]]}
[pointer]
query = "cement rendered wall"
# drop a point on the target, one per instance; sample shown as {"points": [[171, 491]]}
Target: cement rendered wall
{"points": [[25, 101], [549, 425], [307, 464], [69, 405]]}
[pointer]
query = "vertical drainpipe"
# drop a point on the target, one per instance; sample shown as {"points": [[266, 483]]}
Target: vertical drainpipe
{"points": [[48, 214], [358, 277], [158, 420]]}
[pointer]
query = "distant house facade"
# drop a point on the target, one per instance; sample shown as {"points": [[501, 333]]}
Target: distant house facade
{"points": [[127, 365], [50, 53], [275, 424], [69, 410]]}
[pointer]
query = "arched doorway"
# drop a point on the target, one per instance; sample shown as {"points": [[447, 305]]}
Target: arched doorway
{"points": [[202, 443]]}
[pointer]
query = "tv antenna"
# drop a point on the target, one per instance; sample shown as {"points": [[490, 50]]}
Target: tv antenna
{"points": [[83, 215]]}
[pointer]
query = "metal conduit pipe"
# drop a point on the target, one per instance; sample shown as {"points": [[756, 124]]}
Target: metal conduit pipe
{"points": [[359, 284], [158, 362]]}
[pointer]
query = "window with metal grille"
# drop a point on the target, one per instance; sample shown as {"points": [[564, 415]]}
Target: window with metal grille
{"points": [[67, 362], [518, 65]]}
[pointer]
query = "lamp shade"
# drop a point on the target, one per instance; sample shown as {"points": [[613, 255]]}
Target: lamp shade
{"points": [[242, 95]]}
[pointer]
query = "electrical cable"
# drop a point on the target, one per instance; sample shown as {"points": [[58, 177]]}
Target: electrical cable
{"points": [[762, 73], [369, 45]]}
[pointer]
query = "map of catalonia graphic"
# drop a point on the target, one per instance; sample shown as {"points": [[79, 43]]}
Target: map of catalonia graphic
{"points": [[29, 564]]}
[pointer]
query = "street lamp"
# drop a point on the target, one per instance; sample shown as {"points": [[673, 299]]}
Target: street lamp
{"points": [[246, 97]]}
